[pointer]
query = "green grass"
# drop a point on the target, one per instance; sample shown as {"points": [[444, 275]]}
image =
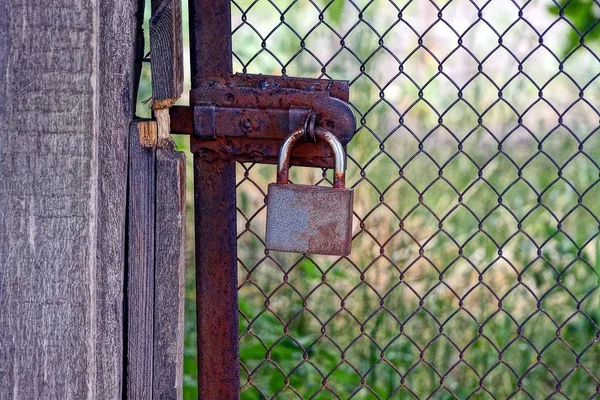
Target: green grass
{"points": [[384, 317]]}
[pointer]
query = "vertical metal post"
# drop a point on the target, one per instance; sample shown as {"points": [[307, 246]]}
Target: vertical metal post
{"points": [[216, 278], [210, 39], [216, 230]]}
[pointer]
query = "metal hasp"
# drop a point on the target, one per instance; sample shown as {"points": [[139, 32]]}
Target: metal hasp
{"points": [[307, 218], [249, 116], [241, 118]]}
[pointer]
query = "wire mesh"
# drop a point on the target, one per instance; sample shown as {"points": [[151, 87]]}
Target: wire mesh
{"points": [[475, 262]]}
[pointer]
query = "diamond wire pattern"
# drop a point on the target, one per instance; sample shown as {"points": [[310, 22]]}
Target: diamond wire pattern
{"points": [[476, 259]]}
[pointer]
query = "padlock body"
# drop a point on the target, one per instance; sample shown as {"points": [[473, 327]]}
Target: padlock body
{"points": [[309, 219]]}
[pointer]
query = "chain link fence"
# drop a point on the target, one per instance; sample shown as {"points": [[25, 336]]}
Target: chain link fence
{"points": [[475, 261]]}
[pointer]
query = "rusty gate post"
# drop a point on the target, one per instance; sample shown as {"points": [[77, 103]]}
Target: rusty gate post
{"points": [[215, 207]]}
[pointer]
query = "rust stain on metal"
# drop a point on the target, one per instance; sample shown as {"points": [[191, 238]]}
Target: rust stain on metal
{"points": [[309, 219], [182, 119], [283, 174], [255, 113], [215, 206], [272, 99], [216, 277], [339, 179]]}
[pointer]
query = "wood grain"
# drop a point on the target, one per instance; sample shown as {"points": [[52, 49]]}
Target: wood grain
{"points": [[67, 95], [140, 281], [169, 274], [48, 200], [166, 53], [156, 267], [119, 42]]}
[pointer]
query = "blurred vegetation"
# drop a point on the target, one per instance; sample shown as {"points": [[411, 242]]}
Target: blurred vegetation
{"points": [[583, 14], [476, 257]]}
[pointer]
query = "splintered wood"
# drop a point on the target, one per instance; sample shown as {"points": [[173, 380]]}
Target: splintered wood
{"points": [[166, 58]]}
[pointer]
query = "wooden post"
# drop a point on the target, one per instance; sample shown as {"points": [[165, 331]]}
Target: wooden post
{"points": [[67, 95]]}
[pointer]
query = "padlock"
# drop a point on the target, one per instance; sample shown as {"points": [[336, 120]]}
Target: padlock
{"points": [[306, 218]]}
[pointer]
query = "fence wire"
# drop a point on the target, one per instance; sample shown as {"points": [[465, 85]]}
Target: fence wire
{"points": [[475, 263]]}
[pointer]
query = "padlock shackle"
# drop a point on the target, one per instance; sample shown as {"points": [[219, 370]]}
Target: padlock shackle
{"points": [[283, 166]]}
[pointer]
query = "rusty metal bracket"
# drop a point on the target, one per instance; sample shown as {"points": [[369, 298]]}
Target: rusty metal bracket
{"points": [[249, 116]]}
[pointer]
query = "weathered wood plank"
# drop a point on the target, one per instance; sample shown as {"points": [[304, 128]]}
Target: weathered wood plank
{"points": [[118, 24], [166, 52], [67, 96], [48, 203], [140, 281], [169, 274]]}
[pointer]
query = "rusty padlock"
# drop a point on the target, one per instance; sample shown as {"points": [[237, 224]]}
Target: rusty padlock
{"points": [[306, 218]]}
